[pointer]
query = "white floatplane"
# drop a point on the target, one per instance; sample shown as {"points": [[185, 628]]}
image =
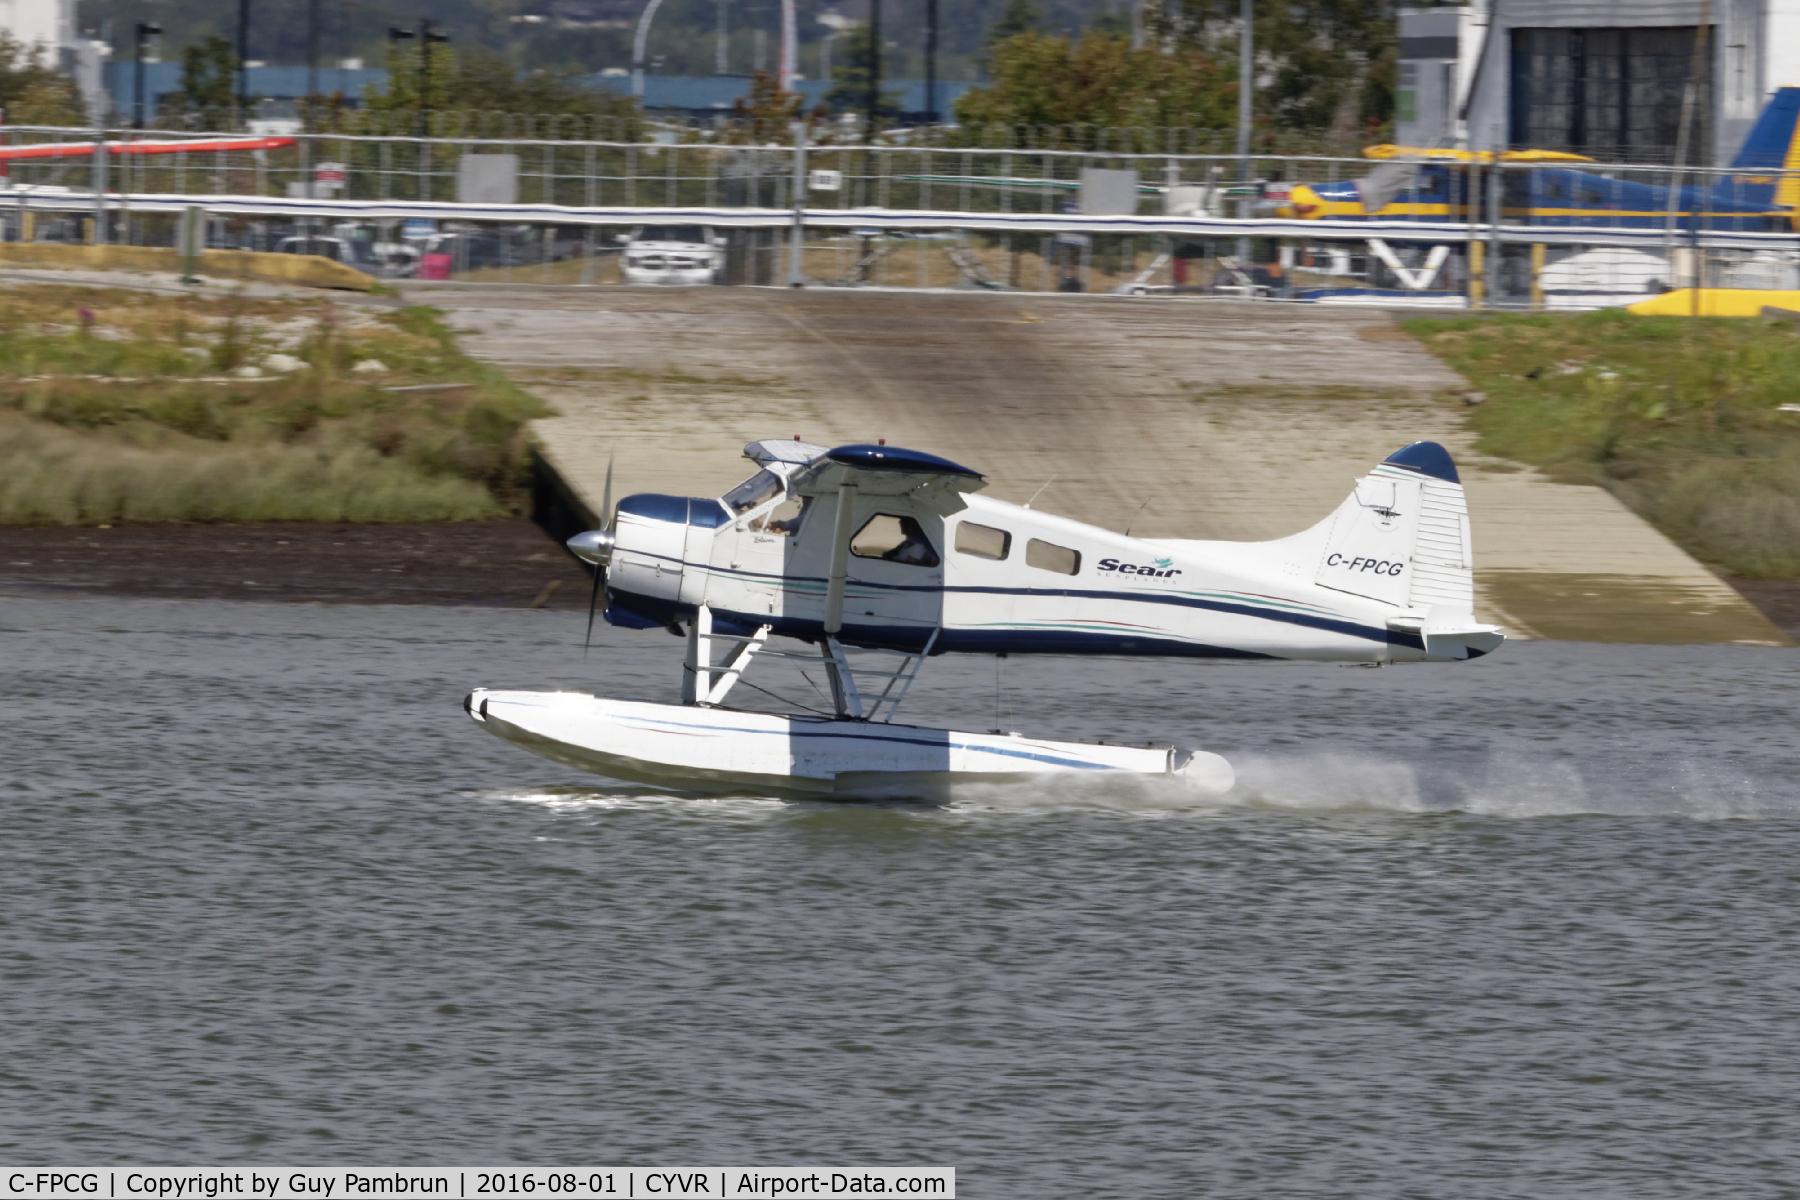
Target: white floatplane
{"points": [[875, 552]]}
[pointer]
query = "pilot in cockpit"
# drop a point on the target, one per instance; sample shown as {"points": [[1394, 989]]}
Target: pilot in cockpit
{"points": [[783, 520], [915, 548]]}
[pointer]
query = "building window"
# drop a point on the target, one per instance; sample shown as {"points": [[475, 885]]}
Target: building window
{"points": [[1609, 93]]}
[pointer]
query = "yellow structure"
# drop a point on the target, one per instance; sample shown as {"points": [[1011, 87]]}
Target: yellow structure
{"points": [[307, 270], [1471, 156], [1714, 302]]}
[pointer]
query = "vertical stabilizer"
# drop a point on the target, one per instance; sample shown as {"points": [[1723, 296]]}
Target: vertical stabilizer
{"points": [[1772, 146], [1403, 538]]}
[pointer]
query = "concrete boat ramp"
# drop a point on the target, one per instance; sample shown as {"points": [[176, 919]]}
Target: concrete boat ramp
{"points": [[1201, 419]]}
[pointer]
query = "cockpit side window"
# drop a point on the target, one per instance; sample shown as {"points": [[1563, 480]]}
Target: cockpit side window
{"points": [[895, 539], [754, 492]]}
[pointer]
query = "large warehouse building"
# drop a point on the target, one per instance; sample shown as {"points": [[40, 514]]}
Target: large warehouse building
{"points": [[1606, 78]]}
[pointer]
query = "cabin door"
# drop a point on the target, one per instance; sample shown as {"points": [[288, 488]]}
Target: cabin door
{"points": [[895, 587]]}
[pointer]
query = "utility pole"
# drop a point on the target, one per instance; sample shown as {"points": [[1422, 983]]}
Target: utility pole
{"points": [[145, 31], [874, 68], [312, 49], [428, 37], [931, 48], [1246, 98], [1246, 75], [1137, 23], [789, 64], [797, 238], [721, 43], [243, 32]]}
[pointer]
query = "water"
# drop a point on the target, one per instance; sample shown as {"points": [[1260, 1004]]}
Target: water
{"points": [[1522, 927]]}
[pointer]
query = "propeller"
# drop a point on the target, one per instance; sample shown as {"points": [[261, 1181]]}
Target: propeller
{"points": [[596, 547]]}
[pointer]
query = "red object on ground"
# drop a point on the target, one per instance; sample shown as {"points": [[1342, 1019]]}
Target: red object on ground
{"points": [[435, 266], [1178, 268]]}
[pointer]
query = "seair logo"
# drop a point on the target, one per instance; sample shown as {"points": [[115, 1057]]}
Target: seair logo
{"points": [[1113, 564], [1377, 565]]}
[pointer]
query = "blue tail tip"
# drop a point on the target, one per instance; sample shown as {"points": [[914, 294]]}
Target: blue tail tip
{"points": [[1427, 458]]}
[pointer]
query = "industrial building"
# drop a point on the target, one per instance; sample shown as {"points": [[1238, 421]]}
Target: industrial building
{"points": [[1619, 80]]}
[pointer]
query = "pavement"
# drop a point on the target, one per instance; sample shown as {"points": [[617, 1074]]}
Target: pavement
{"points": [[1175, 418]]}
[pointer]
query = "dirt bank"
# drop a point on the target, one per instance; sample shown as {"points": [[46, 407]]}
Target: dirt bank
{"points": [[489, 564]]}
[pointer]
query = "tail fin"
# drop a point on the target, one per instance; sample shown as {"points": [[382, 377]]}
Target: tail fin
{"points": [[1773, 145], [1402, 537]]}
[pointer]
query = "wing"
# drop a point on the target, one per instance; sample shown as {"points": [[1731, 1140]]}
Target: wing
{"points": [[880, 470]]}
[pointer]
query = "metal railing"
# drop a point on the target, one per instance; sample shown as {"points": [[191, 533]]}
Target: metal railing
{"points": [[1243, 221]]}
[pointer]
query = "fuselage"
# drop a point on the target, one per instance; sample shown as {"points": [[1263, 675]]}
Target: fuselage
{"points": [[1553, 196], [984, 576]]}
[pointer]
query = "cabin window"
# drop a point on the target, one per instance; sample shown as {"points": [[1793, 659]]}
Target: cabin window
{"points": [[896, 539], [754, 492], [982, 541], [784, 519], [1592, 196], [1046, 557]]}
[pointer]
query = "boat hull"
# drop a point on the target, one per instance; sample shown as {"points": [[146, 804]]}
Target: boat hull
{"points": [[710, 749]]}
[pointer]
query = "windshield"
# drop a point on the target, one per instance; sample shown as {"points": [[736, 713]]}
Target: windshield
{"points": [[754, 492], [673, 233]]}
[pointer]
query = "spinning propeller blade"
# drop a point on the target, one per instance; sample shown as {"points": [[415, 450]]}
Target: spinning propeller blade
{"points": [[606, 512], [606, 522]]}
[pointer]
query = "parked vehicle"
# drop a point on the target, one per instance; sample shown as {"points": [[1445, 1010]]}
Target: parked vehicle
{"points": [[673, 255], [349, 251]]}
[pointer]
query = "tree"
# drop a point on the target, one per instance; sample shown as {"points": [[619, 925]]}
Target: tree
{"points": [[1021, 16], [208, 91], [479, 80], [1330, 65], [31, 91], [851, 78], [1099, 80]]}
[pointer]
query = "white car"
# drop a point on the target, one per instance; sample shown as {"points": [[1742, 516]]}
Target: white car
{"points": [[673, 255]]}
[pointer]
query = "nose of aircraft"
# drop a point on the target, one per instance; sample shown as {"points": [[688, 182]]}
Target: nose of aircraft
{"points": [[594, 546]]}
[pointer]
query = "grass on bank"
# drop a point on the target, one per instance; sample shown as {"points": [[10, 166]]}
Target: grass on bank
{"points": [[1679, 417], [128, 406]]}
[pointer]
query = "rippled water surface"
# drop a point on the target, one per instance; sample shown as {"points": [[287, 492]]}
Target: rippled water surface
{"points": [[1522, 927]]}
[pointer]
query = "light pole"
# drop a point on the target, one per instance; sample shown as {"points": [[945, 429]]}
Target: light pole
{"points": [[312, 49], [1246, 74], [145, 31], [874, 68], [931, 40], [428, 37], [243, 32], [637, 48]]}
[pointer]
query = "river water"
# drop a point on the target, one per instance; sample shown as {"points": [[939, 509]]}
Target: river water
{"points": [[1525, 927]]}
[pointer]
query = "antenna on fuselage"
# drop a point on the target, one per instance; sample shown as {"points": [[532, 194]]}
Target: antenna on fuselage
{"points": [[1135, 516], [1040, 491]]}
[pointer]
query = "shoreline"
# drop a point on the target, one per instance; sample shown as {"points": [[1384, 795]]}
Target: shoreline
{"points": [[505, 563]]}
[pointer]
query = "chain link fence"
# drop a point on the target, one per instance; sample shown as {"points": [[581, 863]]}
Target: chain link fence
{"points": [[536, 202]]}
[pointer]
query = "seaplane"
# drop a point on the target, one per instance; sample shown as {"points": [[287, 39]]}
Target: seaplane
{"points": [[868, 561]]}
